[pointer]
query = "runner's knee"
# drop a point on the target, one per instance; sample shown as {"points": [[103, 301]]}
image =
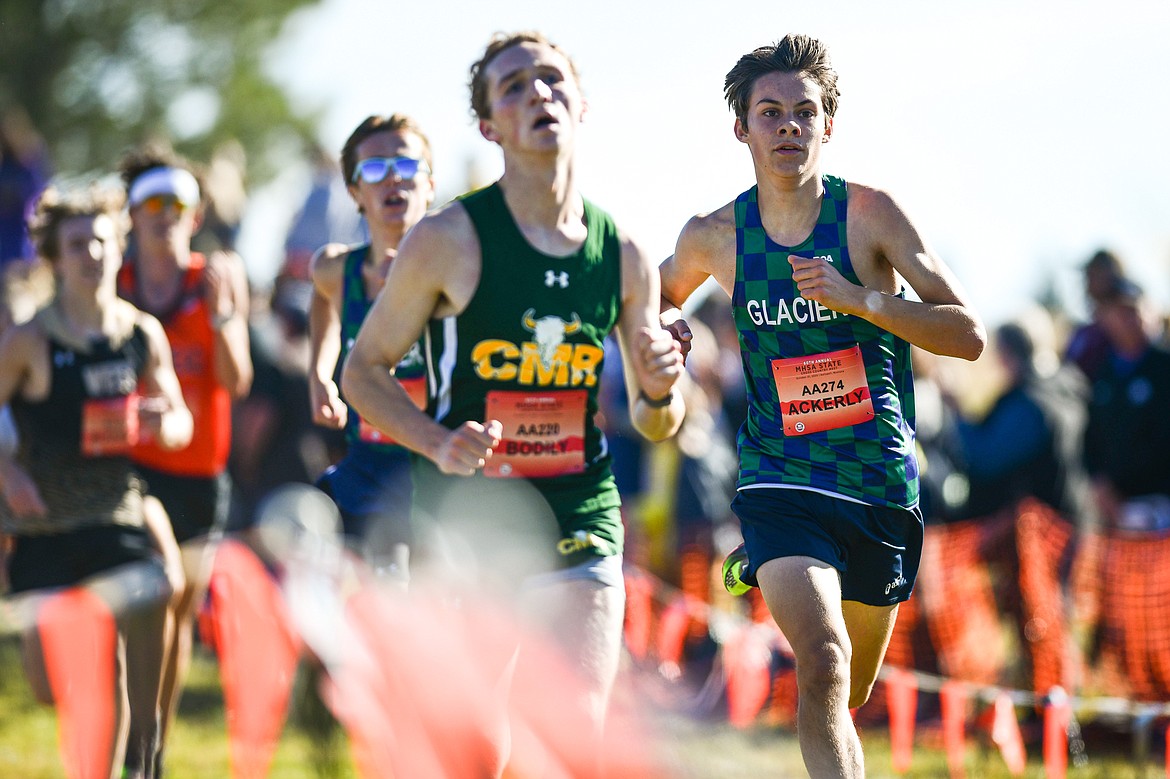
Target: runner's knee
{"points": [[823, 672]]}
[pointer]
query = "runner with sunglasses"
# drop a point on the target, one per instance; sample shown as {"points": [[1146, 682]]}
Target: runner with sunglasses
{"points": [[87, 377], [828, 484], [202, 303], [514, 288], [387, 166]]}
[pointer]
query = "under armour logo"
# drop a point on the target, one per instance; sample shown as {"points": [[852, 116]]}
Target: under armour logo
{"points": [[61, 359], [561, 278]]}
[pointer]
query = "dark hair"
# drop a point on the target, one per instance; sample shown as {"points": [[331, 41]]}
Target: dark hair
{"points": [[372, 125], [1106, 260], [56, 205], [1016, 342], [790, 54], [480, 105], [156, 155]]}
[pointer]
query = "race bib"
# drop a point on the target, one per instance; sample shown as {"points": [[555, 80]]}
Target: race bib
{"points": [[544, 433], [822, 391], [109, 426], [416, 388]]}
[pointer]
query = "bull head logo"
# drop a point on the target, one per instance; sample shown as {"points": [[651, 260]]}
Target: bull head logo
{"points": [[549, 332]]}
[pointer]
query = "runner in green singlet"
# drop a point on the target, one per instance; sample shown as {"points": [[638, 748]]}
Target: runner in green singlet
{"points": [[524, 280], [828, 486]]}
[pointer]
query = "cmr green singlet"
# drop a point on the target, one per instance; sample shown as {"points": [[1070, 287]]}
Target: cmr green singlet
{"points": [[528, 351]]}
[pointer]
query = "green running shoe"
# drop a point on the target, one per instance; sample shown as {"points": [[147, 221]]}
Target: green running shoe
{"points": [[734, 568]]}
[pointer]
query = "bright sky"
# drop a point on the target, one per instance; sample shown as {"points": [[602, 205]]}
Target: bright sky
{"points": [[1020, 137]]}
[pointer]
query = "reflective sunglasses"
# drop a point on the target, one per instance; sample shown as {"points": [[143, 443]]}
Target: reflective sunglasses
{"points": [[156, 204], [374, 169]]}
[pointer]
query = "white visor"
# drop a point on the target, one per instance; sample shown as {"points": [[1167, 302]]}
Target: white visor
{"points": [[165, 181]]}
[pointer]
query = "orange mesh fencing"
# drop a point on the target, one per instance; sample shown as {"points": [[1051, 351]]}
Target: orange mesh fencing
{"points": [[695, 581], [1007, 572], [1130, 594], [783, 699], [639, 617], [959, 602], [1042, 543]]}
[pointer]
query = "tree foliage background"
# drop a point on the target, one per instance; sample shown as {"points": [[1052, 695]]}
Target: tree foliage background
{"points": [[99, 76]]}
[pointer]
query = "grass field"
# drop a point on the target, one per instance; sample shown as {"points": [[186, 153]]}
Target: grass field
{"points": [[198, 749], [692, 748]]}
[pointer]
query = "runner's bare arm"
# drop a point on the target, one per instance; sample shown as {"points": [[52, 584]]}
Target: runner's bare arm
{"points": [[328, 269], [437, 264], [170, 422], [652, 359], [880, 234], [227, 297], [701, 252], [17, 347]]}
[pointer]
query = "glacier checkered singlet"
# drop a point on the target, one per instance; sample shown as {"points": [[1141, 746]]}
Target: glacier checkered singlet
{"points": [[809, 368]]}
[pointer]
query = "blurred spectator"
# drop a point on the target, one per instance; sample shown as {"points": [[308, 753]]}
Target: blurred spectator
{"points": [[708, 467], [24, 170], [1129, 427], [1029, 443], [1088, 346], [273, 439], [225, 198], [724, 368], [944, 483], [326, 216]]}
